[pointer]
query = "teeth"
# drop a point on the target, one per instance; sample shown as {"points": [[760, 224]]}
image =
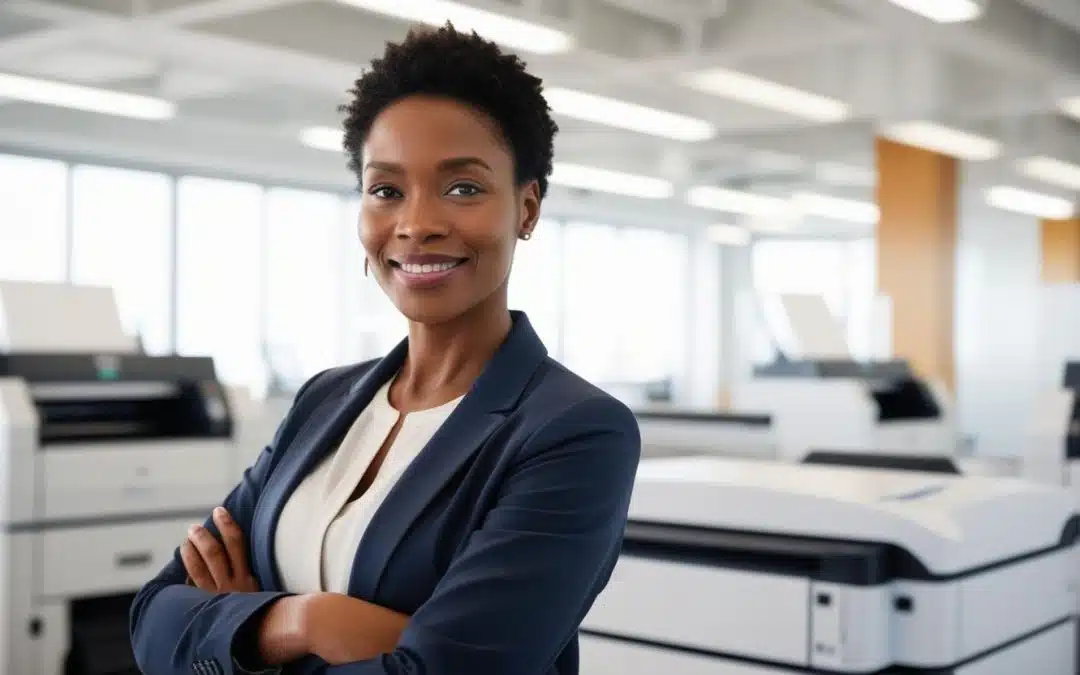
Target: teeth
{"points": [[427, 269]]}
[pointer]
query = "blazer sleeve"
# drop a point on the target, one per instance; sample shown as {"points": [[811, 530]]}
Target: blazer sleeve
{"points": [[178, 629], [516, 595]]}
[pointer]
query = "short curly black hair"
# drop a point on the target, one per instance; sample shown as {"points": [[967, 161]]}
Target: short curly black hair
{"points": [[466, 68]]}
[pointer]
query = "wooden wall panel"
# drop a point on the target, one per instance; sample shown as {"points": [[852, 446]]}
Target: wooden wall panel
{"points": [[1060, 251], [917, 192]]}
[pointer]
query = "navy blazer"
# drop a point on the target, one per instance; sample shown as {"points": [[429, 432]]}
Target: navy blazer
{"points": [[496, 539]]}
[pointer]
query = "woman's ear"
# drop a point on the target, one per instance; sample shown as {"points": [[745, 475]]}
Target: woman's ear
{"points": [[529, 208]]}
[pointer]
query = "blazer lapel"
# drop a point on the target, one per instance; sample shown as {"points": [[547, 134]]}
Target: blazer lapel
{"points": [[320, 434], [495, 392]]}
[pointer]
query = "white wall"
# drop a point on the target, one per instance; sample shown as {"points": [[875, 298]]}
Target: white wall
{"points": [[997, 277]]}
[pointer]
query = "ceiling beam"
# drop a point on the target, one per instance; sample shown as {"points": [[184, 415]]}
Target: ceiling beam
{"points": [[1010, 36]]}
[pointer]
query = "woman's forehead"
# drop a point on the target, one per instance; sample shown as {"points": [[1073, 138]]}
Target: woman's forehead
{"points": [[430, 130]]}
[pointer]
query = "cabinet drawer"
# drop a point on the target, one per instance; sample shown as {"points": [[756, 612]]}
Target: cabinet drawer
{"points": [[97, 560], [713, 609], [97, 480]]}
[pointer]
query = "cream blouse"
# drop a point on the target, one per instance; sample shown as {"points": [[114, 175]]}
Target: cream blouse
{"points": [[317, 532]]}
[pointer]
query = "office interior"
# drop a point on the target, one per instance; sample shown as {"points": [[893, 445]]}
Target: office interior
{"points": [[827, 250]]}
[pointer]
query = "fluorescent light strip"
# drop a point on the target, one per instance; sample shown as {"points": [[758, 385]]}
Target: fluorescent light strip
{"points": [[938, 138], [836, 208], [734, 201], [323, 138], [1053, 171], [765, 94], [1071, 107], [629, 116], [89, 99], [942, 11], [613, 182], [728, 235], [1030, 203], [513, 33]]}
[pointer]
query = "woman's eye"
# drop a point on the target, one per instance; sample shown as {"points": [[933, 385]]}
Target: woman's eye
{"points": [[384, 192], [464, 190]]}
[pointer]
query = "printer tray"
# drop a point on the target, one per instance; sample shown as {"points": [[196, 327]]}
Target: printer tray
{"points": [[100, 643]]}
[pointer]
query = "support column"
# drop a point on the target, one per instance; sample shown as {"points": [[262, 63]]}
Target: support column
{"points": [[917, 193], [1060, 251]]}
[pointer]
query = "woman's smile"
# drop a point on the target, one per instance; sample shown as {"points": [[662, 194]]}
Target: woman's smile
{"points": [[426, 271]]}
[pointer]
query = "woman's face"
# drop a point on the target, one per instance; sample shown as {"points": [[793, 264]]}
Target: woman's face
{"points": [[440, 212]]}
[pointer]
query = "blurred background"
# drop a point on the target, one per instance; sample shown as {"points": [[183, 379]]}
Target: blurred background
{"points": [[185, 153], [911, 166]]}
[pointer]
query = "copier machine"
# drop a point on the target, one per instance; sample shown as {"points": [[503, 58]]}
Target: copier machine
{"points": [[819, 395], [843, 404], [747, 567], [106, 457]]}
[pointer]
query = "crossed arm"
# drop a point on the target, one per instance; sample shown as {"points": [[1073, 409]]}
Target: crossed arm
{"points": [[508, 604], [336, 628]]}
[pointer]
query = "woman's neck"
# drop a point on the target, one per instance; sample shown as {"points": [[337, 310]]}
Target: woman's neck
{"points": [[445, 359]]}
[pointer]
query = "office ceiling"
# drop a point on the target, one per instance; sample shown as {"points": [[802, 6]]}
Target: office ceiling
{"points": [[249, 75]]}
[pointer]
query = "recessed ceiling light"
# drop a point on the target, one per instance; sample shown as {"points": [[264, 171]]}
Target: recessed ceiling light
{"points": [[1053, 171], [1030, 203], [945, 140], [942, 11], [625, 115], [511, 32], [612, 182], [89, 99], [765, 94]]}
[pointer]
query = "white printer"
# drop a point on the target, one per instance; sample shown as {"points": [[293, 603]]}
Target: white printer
{"points": [[106, 457], [820, 397], [841, 404], [747, 567]]}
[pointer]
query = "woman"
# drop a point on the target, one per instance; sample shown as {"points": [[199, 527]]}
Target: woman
{"points": [[456, 506]]}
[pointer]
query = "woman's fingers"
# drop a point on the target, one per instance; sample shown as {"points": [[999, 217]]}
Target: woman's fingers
{"points": [[212, 553], [235, 543], [196, 567]]}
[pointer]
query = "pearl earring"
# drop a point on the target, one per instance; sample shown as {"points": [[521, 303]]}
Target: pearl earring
{"points": [[526, 236]]}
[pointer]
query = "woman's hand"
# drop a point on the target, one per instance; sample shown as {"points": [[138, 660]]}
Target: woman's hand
{"points": [[341, 629], [213, 566]]}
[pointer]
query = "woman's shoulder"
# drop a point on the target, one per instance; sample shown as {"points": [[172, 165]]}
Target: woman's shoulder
{"points": [[561, 398]]}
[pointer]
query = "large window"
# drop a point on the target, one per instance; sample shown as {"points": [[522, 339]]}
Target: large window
{"points": [[219, 276], [304, 282], [802, 266], [121, 237], [840, 271], [269, 282], [590, 317], [624, 303], [33, 219], [536, 282], [652, 303]]}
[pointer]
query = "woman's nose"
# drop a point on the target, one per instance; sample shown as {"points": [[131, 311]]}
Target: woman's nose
{"points": [[421, 220]]}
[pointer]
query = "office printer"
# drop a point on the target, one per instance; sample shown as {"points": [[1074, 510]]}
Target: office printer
{"points": [[106, 457], [748, 567], [842, 404]]}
